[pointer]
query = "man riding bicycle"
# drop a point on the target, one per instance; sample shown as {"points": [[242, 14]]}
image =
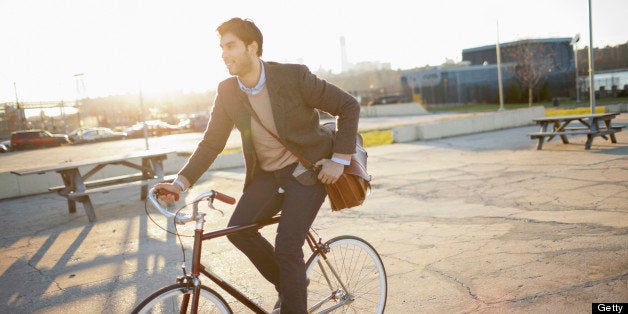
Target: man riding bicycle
{"points": [[261, 99]]}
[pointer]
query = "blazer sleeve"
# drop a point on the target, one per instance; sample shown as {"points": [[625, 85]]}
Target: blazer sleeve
{"points": [[214, 140], [329, 98]]}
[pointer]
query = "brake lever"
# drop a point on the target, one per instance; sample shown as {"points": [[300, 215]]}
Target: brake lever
{"points": [[210, 204]]}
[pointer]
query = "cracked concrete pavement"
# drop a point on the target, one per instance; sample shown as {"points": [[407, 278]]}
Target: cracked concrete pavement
{"points": [[476, 223]]}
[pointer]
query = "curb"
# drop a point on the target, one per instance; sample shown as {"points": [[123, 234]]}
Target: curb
{"points": [[471, 124]]}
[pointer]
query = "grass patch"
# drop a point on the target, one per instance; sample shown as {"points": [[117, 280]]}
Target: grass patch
{"points": [[476, 108], [377, 138], [553, 112], [187, 154], [232, 150], [583, 104]]}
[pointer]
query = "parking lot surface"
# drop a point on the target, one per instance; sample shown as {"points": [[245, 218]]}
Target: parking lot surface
{"points": [[475, 223]]}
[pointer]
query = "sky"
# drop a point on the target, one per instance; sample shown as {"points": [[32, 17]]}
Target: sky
{"points": [[159, 47]]}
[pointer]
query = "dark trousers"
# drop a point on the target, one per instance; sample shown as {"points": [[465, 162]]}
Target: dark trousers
{"points": [[282, 265]]}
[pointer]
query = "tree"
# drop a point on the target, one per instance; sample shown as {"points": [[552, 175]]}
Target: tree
{"points": [[532, 62], [513, 94]]}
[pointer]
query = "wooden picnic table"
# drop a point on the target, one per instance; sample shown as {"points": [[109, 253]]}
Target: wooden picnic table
{"points": [[77, 187], [593, 125]]}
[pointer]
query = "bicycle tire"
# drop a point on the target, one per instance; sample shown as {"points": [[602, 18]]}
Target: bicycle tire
{"points": [[168, 300], [360, 268]]}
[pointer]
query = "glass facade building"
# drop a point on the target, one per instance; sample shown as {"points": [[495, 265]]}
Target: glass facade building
{"points": [[475, 79]]}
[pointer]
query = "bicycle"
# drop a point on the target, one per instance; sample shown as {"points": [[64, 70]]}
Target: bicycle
{"points": [[344, 273]]}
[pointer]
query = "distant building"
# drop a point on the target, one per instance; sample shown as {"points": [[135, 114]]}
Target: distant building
{"points": [[364, 66], [474, 80], [49, 115], [367, 66]]}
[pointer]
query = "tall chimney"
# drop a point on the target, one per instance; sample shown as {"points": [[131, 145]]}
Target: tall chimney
{"points": [[344, 61]]}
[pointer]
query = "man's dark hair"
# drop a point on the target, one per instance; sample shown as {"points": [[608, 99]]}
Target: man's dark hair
{"points": [[246, 30]]}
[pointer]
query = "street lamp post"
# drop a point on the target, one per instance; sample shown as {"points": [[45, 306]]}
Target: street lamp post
{"points": [[64, 117], [144, 121], [499, 72], [78, 80], [574, 43], [20, 111], [591, 58]]}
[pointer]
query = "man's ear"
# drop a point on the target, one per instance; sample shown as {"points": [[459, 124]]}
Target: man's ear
{"points": [[253, 47]]}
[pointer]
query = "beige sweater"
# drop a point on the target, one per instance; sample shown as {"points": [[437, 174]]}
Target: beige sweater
{"points": [[271, 153]]}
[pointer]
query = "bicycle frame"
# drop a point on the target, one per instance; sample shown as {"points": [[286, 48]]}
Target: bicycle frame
{"points": [[199, 236], [198, 268]]}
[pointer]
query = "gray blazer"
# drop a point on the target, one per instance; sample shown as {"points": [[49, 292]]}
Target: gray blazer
{"points": [[295, 94]]}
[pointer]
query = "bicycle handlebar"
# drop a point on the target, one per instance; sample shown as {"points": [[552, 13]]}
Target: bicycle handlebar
{"points": [[181, 218], [224, 198]]}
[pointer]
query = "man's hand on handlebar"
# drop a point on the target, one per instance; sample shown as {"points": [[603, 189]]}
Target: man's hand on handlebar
{"points": [[167, 192]]}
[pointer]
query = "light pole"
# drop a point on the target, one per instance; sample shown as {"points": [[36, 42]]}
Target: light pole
{"points": [[499, 72], [20, 111], [574, 43], [79, 94], [64, 117], [591, 58], [144, 121]]}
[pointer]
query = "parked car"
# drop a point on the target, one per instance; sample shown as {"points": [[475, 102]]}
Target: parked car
{"points": [[390, 99], [155, 128], [76, 133], [198, 122], [29, 139], [98, 134], [5, 146]]}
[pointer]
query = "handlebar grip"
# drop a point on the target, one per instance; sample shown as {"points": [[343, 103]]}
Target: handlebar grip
{"points": [[166, 192], [224, 198]]}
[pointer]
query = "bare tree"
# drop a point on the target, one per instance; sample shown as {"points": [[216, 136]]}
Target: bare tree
{"points": [[532, 62]]}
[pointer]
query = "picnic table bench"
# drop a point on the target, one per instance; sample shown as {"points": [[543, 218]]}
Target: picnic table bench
{"points": [[593, 125], [77, 187]]}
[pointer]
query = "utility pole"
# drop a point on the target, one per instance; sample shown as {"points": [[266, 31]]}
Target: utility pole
{"points": [[574, 43], [65, 118], [78, 78], [20, 118], [591, 81], [144, 120], [499, 73]]}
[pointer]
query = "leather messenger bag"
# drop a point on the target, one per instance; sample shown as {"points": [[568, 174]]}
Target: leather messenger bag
{"points": [[354, 184]]}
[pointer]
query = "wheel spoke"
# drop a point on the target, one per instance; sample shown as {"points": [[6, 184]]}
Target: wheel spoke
{"points": [[361, 271]]}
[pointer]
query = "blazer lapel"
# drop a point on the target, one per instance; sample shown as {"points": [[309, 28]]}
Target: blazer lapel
{"points": [[274, 85], [241, 98]]}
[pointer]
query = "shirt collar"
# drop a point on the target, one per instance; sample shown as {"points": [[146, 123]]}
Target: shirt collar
{"points": [[257, 88]]}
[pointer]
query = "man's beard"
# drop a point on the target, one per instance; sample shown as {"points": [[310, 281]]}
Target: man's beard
{"points": [[242, 68]]}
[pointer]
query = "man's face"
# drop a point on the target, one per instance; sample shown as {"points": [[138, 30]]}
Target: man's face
{"points": [[237, 56]]}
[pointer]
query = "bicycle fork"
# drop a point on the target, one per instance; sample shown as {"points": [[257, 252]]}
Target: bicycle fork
{"points": [[342, 295], [194, 285]]}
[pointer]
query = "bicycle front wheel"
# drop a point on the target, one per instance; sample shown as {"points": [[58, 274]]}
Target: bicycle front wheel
{"points": [[352, 279], [172, 299]]}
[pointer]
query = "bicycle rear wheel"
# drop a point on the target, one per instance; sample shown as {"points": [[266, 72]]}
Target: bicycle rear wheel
{"points": [[362, 287], [170, 300]]}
